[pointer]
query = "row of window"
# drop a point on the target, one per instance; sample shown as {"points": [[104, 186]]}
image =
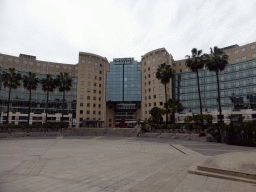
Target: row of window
{"points": [[90, 69], [89, 90], [242, 50], [89, 77], [90, 62], [39, 64], [88, 112], [94, 119], [154, 89], [88, 105], [154, 96], [89, 98], [237, 60], [153, 104], [180, 64]]}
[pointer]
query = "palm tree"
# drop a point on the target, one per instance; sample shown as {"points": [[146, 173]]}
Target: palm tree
{"points": [[172, 106], [64, 82], [195, 63], [30, 83], [48, 85], [164, 73], [11, 80], [217, 61]]}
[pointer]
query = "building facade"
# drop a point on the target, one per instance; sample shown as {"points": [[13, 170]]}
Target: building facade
{"points": [[124, 90]]}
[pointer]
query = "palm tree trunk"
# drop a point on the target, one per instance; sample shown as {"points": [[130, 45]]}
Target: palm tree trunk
{"points": [[46, 108], [7, 120], [218, 83], [63, 106], [29, 105], [200, 101], [166, 102]]}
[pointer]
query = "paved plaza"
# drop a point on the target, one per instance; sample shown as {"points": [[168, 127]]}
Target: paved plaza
{"points": [[117, 164]]}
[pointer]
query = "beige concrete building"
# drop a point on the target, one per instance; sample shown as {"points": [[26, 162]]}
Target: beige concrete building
{"points": [[96, 98]]}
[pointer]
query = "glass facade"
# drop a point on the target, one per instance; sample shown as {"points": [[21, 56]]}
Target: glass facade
{"points": [[20, 99], [237, 88], [123, 82]]}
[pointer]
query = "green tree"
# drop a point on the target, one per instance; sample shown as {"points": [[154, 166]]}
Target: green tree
{"points": [[172, 106], [216, 61], [164, 73], [156, 115], [30, 83], [195, 63], [48, 85], [64, 82], [12, 80]]}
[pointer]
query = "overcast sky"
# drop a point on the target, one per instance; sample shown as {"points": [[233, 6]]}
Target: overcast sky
{"points": [[57, 30]]}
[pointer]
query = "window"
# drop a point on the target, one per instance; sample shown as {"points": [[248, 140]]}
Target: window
{"points": [[51, 72], [138, 65], [43, 72], [161, 103], [82, 90], [82, 75], [149, 97], [88, 104], [145, 90], [89, 69], [100, 65], [148, 75], [81, 119], [252, 46], [145, 77], [154, 96], [180, 63], [99, 85], [236, 51], [9, 59], [149, 83], [88, 83], [94, 105], [99, 98], [174, 64], [25, 62], [154, 89], [82, 82], [99, 92], [88, 90], [254, 55], [52, 66], [154, 81], [154, 67], [88, 97], [174, 71], [95, 71], [38, 64], [149, 90], [83, 68], [81, 111], [186, 70], [243, 50], [57, 66], [181, 70], [160, 95], [57, 73], [16, 60], [95, 77], [81, 104], [99, 105], [148, 61], [149, 104], [99, 113], [160, 88], [100, 72], [38, 70], [236, 60], [145, 112], [94, 98], [88, 112], [90, 62], [69, 67], [159, 58], [145, 104], [1, 57], [81, 97], [96, 64], [64, 67], [94, 91], [44, 65], [95, 84], [244, 58], [94, 112], [89, 76], [154, 104], [145, 70], [100, 78], [153, 60], [76, 68], [83, 61], [148, 68]]}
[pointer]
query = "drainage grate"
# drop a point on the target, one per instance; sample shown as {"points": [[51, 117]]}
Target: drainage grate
{"points": [[177, 149]]}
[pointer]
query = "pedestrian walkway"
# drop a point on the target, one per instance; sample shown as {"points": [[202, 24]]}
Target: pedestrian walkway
{"points": [[105, 164]]}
